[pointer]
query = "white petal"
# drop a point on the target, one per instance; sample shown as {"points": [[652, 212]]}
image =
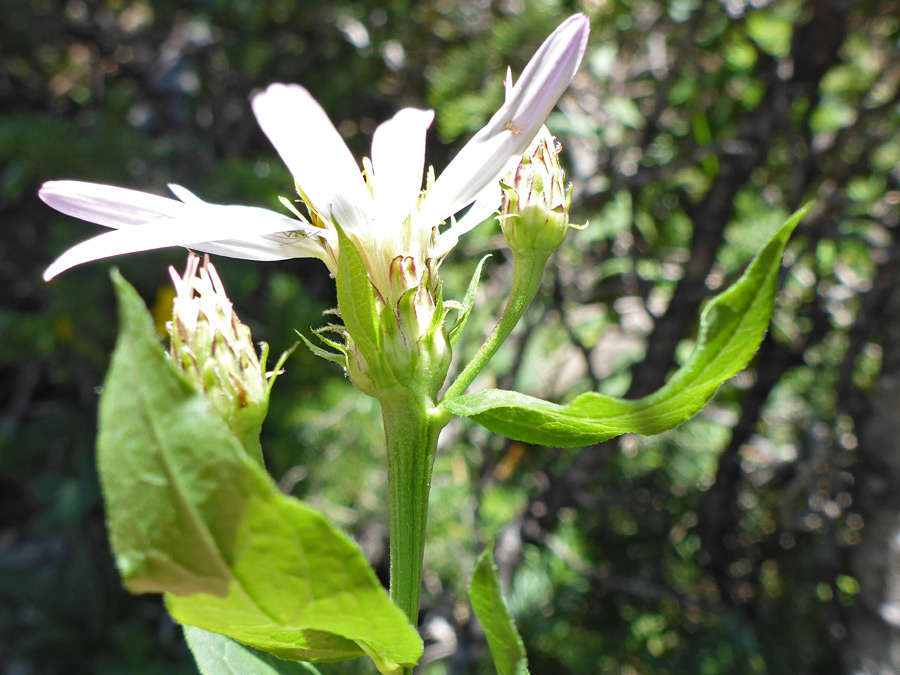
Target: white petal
{"points": [[315, 153], [264, 248], [184, 194], [282, 245], [107, 205], [514, 125], [237, 231], [398, 161]]}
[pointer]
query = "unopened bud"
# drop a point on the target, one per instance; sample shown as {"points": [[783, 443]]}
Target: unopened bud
{"points": [[215, 350], [534, 211]]}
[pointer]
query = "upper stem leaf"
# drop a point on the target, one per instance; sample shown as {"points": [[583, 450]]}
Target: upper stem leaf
{"points": [[732, 327]]}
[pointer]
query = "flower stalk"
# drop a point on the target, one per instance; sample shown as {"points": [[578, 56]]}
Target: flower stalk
{"points": [[527, 274], [534, 216], [412, 426]]}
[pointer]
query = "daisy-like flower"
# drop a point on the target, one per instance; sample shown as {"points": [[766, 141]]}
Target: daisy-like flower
{"points": [[382, 209]]}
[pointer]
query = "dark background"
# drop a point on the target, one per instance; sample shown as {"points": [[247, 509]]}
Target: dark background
{"points": [[760, 537]]}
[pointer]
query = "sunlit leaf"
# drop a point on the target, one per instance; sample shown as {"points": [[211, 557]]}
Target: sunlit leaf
{"points": [[191, 516]]}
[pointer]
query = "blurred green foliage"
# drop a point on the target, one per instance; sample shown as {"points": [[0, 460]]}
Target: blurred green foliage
{"points": [[694, 127]]}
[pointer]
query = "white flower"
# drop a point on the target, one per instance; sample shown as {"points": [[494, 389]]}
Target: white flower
{"points": [[383, 209]]}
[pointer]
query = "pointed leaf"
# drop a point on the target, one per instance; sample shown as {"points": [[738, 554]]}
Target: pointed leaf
{"points": [[467, 303], [192, 516], [218, 655], [499, 627], [731, 328]]}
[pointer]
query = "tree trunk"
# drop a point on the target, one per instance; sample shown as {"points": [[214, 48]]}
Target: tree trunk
{"points": [[873, 622]]}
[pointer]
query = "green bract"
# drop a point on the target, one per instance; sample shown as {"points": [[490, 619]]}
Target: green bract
{"points": [[402, 344], [191, 515], [465, 307], [731, 328]]}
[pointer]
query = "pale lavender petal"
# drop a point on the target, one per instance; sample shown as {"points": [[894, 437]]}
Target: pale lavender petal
{"points": [[260, 249], [315, 153], [488, 200], [294, 243], [238, 231], [107, 205], [398, 161], [509, 132]]}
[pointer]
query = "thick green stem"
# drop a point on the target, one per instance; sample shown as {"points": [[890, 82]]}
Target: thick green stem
{"points": [[527, 273], [411, 428]]}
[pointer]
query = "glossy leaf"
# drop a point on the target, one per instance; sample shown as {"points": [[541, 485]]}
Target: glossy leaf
{"points": [[499, 628], [191, 516], [731, 328]]}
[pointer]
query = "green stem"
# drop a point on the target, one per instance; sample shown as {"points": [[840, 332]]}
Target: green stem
{"points": [[527, 273], [411, 427]]}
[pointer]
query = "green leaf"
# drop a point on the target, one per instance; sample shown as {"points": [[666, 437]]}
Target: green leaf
{"points": [[192, 516], [467, 303], [731, 328], [356, 300], [218, 655], [499, 627]]}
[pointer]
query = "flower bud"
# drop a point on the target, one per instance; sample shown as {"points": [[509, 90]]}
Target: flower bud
{"points": [[214, 349], [534, 211]]}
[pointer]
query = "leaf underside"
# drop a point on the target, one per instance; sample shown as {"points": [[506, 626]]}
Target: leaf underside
{"points": [[219, 655]]}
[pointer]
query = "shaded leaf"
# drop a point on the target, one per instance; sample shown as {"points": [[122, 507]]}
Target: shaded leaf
{"points": [[499, 628]]}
